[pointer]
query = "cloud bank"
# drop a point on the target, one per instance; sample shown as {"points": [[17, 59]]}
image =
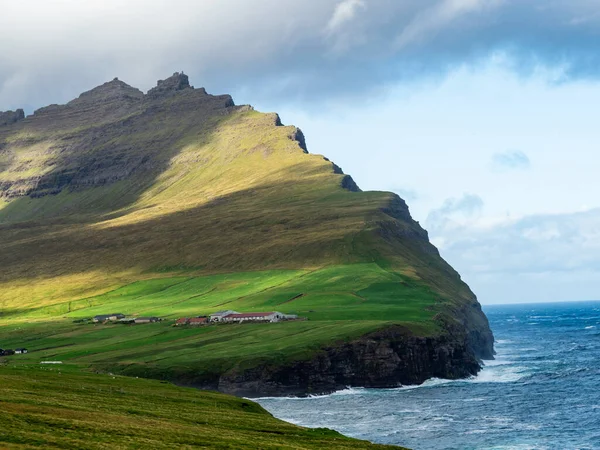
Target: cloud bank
{"points": [[296, 51], [549, 257]]}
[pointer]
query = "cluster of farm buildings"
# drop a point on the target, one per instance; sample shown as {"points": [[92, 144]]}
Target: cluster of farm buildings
{"points": [[16, 351], [121, 318], [230, 316]]}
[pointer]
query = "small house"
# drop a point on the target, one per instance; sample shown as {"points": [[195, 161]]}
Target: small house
{"points": [[146, 319], [108, 317], [20, 351], [198, 321], [182, 321]]}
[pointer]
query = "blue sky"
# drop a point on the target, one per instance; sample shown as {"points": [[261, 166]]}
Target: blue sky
{"points": [[481, 114]]}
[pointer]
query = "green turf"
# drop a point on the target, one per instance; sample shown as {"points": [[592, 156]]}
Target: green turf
{"points": [[339, 302], [59, 407]]}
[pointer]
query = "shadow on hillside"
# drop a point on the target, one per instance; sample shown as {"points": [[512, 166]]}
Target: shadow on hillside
{"points": [[107, 167], [272, 226]]}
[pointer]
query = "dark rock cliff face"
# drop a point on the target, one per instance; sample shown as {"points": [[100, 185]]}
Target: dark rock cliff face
{"points": [[385, 359], [176, 82], [111, 121], [10, 117]]}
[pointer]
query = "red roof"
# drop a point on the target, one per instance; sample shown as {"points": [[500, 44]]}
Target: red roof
{"points": [[246, 315], [198, 320], [183, 320]]}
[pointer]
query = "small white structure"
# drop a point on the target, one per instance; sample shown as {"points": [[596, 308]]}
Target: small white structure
{"points": [[108, 317], [218, 316], [20, 351], [272, 316], [146, 319]]}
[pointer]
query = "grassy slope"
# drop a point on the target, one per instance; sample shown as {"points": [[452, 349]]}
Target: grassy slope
{"points": [[238, 195], [222, 204], [57, 407], [340, 302]]}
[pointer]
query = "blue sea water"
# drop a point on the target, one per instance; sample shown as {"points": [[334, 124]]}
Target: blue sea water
{"points": [[541, 392]]}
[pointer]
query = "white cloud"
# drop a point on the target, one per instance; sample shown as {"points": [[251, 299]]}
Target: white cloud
{"points": [[345, 31], [296, 51], [453, 214], [525, 252], [432, 20], [345, 11]]}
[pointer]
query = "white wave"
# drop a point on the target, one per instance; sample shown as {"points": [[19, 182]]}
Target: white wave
{"points": [[497, 362], [495, 371], [432, 382], [517, 447], [500, 374], [503, 341], [349, 391], [590, 327], [444, 418]]}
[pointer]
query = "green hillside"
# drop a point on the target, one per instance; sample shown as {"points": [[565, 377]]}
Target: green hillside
{"points": [[366, 302], [57, 407], [179, 203]]}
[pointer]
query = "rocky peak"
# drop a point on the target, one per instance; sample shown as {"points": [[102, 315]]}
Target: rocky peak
{"points": [[176, 82], [109, 92], [10, 117]]}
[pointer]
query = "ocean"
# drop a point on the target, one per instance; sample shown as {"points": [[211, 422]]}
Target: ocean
{"points": [[541, 392]]}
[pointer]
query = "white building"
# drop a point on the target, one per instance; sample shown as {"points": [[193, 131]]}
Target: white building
{"points": [[218, 316], [272, 316]]}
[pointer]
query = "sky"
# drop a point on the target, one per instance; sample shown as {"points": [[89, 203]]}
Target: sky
{"points": [[479, 113]]}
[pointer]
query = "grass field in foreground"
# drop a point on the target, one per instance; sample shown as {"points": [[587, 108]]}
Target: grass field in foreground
{"points": [[340, 302], [58, 407]]}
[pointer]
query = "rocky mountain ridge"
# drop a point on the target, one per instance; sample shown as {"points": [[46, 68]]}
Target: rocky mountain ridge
{"points": [[104, 113]]}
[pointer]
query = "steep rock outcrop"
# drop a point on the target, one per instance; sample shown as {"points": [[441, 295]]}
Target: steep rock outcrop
{"points": [[385, 359], [176, 82], [10, 117]]}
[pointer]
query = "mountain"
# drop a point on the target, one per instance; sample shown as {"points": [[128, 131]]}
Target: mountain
{"points": [[180, 203]]}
